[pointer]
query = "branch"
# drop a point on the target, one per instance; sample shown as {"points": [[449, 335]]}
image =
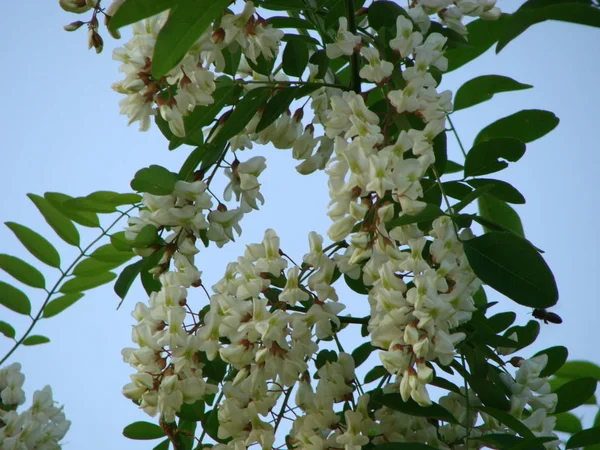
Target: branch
{"points": [[354, 63]]}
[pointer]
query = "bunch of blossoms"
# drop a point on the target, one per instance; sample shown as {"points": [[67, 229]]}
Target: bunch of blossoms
{"points": [[191, 83], [40, 427]]}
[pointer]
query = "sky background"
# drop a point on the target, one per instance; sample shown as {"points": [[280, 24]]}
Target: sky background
{"points": [[62, 132]]}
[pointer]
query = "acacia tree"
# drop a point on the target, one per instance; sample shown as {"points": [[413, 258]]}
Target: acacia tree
{"points": [[256, 359]]}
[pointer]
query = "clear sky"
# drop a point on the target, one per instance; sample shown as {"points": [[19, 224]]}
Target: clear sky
{"points": [[62, 132]]}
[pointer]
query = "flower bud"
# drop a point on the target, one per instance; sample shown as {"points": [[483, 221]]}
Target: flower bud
{"points": [[73, 25], [74, 6]]}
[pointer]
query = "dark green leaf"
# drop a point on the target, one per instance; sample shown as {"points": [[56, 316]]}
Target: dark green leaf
{"points": [[127, 277], [135, 10], [430, 212], [383, 14], [375, 373], [149, 283], [412, 408], [526, 125], [508, 420], [325, 356], [557, 356], [403, 445], [59, 304], [14, 299], [164, 445], [242, 114], [574, 393], [489, 393], [500, 189], [440, 150], [584, 438], [488, 156], [7, 330], [282, 5], [303, 38], [501, 321], [211, 426], [186, 23], [22, 271], [574, 12], [320, 59], [513, 267], [85, 218], [232, 57], [154, 180], [482, 35], [445, 384], [146, 237], [576, 369], [276, 106], [79, 284], [483, 88], [535, 443], [356, 285], [456, 189], [295, 57], [262, 65], [63, 227], [143, 431], [597, 419], [452, 167], [290, 22], [471, 197], [526, 335], [500, 440], [567, 423], [108, 253], [498, 214], [193, 411], [362, 353], [90, 267], [215, 369], [36, 339]]}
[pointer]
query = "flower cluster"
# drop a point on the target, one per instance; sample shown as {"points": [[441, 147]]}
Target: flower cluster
{"points": [[40, 427]]}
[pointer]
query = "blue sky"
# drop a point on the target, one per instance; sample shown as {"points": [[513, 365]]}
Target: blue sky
{"points": [[62, 132]]}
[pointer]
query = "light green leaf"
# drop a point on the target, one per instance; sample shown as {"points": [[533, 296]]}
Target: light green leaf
{"points": [[14, 299], [143, 431], [126, 278], [59, 304], [135, 10], [36, 339], [483, 88], [85, 218], [22, 271], [576, 369], [526, 125], [109, 253], [513, 267], [79, 284], [36, 244], [114, 198], [7, 330], [59, 223], [567, 423], [574, 393], [146, 237], [186, 23], [154, 180], [91, 267]]}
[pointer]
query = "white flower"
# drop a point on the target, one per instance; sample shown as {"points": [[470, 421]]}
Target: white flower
{"points": [[345, 42], [376, 70], [406, 40]]}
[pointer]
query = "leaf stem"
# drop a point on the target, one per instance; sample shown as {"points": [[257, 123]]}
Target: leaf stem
{"points": [[462, 148], [282, 410], [354, 63], [303, 83], [57, 284]]}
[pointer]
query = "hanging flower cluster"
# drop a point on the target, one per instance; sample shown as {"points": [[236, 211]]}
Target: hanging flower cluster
{"points": [[41, 427]]}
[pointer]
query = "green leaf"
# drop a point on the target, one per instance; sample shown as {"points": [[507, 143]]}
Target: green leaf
{"points": [[526, 125], [85, 218], [135, 10], [557, 356], [362, 353], [500, 440], [146, 237], [526, 335], [119, 242], [488, 156], [114, 198], [403, 445], [375, 373], [276, 106], [325, 356], [584, 438], [110, 254], [79, 284], [482, 35], [242, 114], [471, 197], [513, 267], [91, 267], [22, 271], [574, 393], [500, 214], [14, 299], [488, 392], [453, 167], [526, 16], [282, 5], [59, 304], [501, 321], [412, 408], [193, 411], [290, 22], [456, 189], [576, 369], [36, 339], [500, 189], [320, 59], [383, 14], [295, 57], [430, 212], [154, 180], [483, 88], [508, 420], [149, 283], [7, 330], [567, 423], [87, 205], [164, 445], [356, 285], [440, 151], [59, 223], [143, 431], [186, 23], [211, 426], [535, 443], [127, 277]]}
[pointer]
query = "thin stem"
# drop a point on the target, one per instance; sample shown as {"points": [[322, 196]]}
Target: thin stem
{"points": [[462, 148], [467, 425], [342, 319], [57, 284], [282, 410], [354, 62], [303, 83]]}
